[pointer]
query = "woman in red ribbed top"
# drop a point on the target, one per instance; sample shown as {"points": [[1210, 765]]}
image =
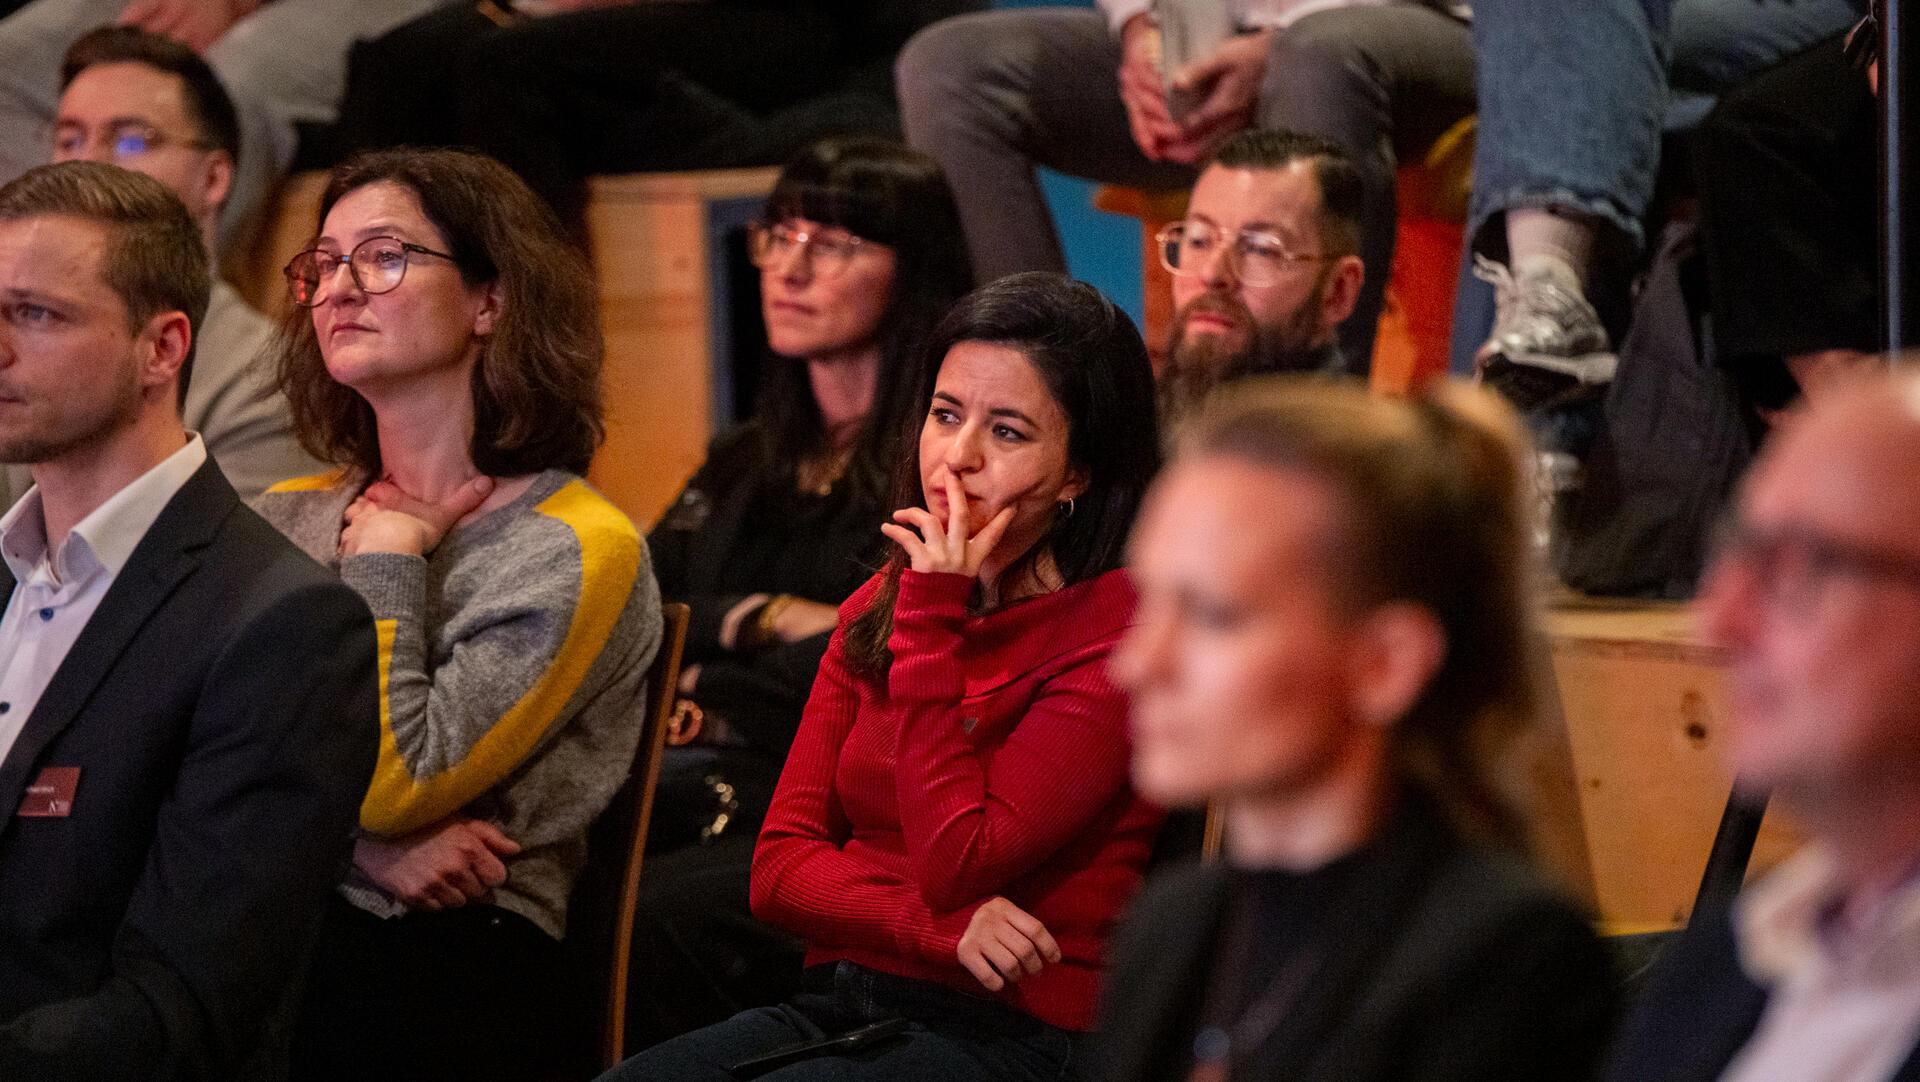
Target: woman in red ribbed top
{"points": [[954, 834]]}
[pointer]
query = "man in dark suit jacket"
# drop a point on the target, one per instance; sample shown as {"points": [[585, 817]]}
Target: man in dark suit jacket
{"points": [[188, 707], [1814, 975]]}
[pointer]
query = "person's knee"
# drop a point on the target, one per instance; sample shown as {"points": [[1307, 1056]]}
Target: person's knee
{"points": [[1316, 75], [950, 61]]}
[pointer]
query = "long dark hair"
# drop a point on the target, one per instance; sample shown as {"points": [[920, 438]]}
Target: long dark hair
{"points": [[1092, 360], [1432, 513], [536, 385], [886, 193]]}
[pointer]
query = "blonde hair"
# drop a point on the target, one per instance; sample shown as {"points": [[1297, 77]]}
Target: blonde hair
{"points": [[1433, 513]]}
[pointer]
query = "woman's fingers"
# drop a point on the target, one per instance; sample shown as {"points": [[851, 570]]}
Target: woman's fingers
{"points": [[988, 538], [956, 514], [976, 964], [1003, 959]]}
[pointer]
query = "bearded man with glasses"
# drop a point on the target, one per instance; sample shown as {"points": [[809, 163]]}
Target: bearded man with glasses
{"points": [[1265, 266], [1814, 974]]}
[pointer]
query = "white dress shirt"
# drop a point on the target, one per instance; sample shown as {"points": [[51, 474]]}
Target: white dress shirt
{"points": [[55, 592], [1843, 1000]]}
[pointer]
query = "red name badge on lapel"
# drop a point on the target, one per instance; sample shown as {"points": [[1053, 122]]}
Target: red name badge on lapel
{"points": [[51, 794]]}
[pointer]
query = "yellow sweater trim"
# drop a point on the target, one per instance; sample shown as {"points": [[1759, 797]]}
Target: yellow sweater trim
{"points": [[397, 801]]}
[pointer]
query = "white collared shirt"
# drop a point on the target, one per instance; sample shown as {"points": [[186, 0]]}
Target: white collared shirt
{"points": [[1843, 1000], [55, 593]]}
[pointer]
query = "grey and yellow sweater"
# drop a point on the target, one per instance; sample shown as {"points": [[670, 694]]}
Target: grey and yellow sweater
{"points": [[511, 663]]}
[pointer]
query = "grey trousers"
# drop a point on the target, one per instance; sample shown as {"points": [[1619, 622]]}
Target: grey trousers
{"points": [[992, 94], [283, 64]]}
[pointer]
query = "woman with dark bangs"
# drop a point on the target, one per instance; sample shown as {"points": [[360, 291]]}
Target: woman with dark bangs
{"points": [[860, 253]]}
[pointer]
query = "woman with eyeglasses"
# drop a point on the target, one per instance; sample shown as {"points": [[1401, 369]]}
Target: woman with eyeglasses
{"points": [[860, 253], [445, 354], [954, 835], [1332, 646]]}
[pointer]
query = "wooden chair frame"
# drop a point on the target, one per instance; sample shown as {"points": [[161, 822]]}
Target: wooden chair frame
{"points": [[617, 845]]}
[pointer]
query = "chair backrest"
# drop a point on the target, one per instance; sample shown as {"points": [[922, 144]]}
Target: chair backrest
{"points": [[600, 914]]}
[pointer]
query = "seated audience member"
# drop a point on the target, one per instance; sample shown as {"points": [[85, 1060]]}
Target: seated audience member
{"points": [[187, 704], [446, 353], [954, 834], [1331, 639], [860, 254], [283, 62], [1265, 266], [992, 95], [1814, 973], [625, 86], [147, 103], [1574, 96], [1788, 167]]}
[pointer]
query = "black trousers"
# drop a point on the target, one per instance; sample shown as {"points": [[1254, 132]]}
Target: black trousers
{"points": [[465, 994], [648, 87], [1788, 184]]}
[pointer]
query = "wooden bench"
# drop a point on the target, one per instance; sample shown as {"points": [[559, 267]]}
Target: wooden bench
{"points": [[1630, 785]]}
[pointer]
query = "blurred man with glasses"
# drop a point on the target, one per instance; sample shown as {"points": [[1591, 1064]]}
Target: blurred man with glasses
{"points": [[1265, 265], [1814, 975], [145, 103]]}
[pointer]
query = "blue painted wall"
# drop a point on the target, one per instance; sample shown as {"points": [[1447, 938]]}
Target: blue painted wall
{"points": [[1101, 248]]}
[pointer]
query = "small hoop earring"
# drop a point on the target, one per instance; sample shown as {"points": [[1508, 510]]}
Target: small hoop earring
{"points": [[1069, 505]]}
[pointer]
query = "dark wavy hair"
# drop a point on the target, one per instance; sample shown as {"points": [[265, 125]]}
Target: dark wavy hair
{"points": [[536, 385], [1432, 513], [1091, 358], [889, 194]]}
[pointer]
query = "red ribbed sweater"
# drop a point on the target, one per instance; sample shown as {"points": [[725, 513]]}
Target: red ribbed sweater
{"points": [[993, 762]]}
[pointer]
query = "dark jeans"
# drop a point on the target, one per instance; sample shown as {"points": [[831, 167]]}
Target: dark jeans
{"points": [[465, 994], [951, 1036]]}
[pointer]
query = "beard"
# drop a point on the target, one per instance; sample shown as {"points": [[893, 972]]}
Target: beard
{"points": [[73, 425], [1197, 366]]}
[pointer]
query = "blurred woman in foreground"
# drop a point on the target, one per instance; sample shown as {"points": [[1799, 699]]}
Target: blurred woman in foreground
{"points": [[1331, 642]]}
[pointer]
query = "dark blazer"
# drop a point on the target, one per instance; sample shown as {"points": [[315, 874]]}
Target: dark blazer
{"points": [[1698, 1012], [1446, 964], [221, 707]]}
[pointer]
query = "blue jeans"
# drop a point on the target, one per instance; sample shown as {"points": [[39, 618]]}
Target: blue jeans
{"points": [[1575, 95], [951, 1037]]}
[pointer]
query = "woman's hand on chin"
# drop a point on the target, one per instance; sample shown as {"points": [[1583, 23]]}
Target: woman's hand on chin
{"points": [[385, 519], [949, 549]]}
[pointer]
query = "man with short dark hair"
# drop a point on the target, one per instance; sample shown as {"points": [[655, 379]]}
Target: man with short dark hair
{"points": [[1814, 975], [150, 104], [188, 713], [1266, 265]]}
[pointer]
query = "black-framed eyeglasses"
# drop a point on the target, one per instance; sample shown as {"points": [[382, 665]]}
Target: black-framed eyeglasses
{"points": [[1259, 258], [377, 265], [770, 243], [1792, 563], [125, 140]]}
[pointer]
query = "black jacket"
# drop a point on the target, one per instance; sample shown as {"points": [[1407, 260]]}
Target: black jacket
{"points": [[221, 708], [1698, 1012], [696, 551], [1446, 964]]}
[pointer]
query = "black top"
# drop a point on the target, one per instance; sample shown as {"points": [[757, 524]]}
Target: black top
{"points": [[1421, 958], [740, 528]]}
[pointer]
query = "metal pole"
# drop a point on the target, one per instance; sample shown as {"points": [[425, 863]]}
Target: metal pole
{"points": [[1899, 162]]}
